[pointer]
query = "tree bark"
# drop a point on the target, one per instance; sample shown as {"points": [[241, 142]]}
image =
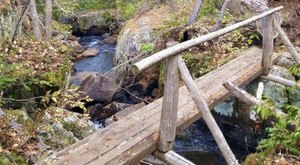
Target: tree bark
{"points": [[35, 20], [221, 16], [48, 19], [167, 129], [195, 12]]}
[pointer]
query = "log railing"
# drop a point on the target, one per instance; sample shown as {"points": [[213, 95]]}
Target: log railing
{"points": [[174, 63]]}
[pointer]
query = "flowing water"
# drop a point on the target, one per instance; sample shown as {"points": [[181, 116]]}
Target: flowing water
{"points": [[103, 62]]}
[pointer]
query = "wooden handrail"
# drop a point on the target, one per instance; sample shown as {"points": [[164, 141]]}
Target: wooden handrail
{"points": [[159, 56]]}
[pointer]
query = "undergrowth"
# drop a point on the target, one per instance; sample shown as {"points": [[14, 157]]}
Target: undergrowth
{"points": [[284, 132]]}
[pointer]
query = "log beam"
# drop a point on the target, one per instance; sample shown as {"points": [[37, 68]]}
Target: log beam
{"points": [[202, 106], [167, 130], [245, 96], [159, 56], [268, 43], [280, 80], [172, 158]]}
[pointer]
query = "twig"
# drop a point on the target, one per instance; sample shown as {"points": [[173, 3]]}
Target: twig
{"points": [[20, 100], [135, 95], [15, 32]]}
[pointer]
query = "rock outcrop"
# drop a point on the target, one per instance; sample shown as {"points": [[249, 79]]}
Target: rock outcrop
{"points": [[138, 32], [99, 88]]}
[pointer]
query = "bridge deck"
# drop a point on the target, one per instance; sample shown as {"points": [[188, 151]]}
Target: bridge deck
{"points": [[134, 137]]}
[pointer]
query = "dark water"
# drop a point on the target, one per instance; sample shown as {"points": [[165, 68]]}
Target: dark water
{"points": [[198, 145], [103, 62]]}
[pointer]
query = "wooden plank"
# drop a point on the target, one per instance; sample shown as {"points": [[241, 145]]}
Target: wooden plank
{"points": [[159, 56], [172, 158], [121, 143], [268, 43], [167, 129]]}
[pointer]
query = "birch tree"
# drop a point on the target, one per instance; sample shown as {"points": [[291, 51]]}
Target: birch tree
{"points": [[48, 19], [195, 12], [35, 20]]}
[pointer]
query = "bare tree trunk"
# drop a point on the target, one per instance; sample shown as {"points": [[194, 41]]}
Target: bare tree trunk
{"points": [[48, 19], [35, 20], [222, 13], [195, 12]]}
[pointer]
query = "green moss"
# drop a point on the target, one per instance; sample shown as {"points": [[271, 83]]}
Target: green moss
{"points": [[79, 133], [198, 65], [4, 160], [35, 68], [95, 5]]}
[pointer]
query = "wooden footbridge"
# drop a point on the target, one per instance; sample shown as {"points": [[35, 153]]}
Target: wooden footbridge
{"points": [[151, 129]]}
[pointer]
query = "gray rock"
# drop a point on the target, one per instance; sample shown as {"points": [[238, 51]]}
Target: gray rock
{"points": [[277, 92], [79, 77], [99, 88], [123, 111], [90, 52], [76, 46], [95, 111], [94, 22], [139, 31], [2, 113], [285, 60], [110, 39], [226, 108]]}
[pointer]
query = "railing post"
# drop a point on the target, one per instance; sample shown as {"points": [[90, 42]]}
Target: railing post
{"points": [[268, 43], [167, 130]]}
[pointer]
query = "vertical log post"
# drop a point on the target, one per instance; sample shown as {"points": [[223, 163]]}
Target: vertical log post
{"points": [[167, 128], [268, 43], [202, 106]]}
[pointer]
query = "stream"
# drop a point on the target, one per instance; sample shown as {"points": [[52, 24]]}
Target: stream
{"points": [[195, 143]]}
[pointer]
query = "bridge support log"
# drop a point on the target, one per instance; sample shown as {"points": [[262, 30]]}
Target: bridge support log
{"points": [[287, 42], [245, 96], [167, 130], [280, 80], [268, 43], [172, 158], [202, 106]]}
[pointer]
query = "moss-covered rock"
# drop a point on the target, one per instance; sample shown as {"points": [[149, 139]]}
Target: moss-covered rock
{"points": [[140, 32], [32, 68], [94, 22], [27, 137]]}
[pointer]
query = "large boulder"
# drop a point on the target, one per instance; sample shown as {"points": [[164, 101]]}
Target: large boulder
{"points": [[94, 22], [276, 92], [138, 32], [100, 88], [33, 136], [77, 78]]}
